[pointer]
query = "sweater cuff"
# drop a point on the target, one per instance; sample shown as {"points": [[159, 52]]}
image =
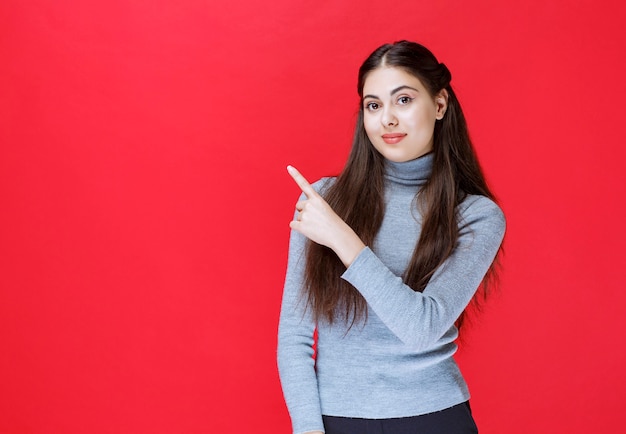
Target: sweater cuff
{"points": [[306, 419], [354, 272]]}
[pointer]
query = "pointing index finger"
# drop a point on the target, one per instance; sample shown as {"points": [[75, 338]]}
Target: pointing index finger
{"points": [[301, 181]]}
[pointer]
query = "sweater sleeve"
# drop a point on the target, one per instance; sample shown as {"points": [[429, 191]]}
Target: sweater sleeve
{"points": [[296, 365], [419, 319]]}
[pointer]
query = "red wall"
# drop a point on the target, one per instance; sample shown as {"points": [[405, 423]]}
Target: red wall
{"points": [[145, 202]]}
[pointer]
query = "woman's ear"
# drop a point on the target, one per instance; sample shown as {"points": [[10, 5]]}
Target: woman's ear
{"points": [[441, 101]]}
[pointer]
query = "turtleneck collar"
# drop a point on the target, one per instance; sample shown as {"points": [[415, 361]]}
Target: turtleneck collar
{"points": [[413, 172]]}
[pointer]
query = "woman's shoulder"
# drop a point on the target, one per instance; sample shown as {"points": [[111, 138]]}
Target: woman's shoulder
{"points": [[481, 208], [323, 184]]}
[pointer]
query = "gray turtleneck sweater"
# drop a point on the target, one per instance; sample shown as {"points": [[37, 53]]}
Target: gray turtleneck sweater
{"points": [[399, 362]]}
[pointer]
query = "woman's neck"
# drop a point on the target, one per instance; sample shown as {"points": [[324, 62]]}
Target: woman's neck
{"points": [[412, 172]]}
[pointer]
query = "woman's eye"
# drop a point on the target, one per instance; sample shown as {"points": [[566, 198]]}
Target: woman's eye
{"points": [[371, 106], [404, 100]]}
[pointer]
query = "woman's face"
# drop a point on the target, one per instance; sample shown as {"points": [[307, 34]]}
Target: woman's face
{"points": [[399, 114]]}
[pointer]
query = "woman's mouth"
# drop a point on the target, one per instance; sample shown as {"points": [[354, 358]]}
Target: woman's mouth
{"points": [[393, 138]]}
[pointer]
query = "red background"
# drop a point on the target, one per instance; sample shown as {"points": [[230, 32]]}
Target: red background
{"points": [[145, 202]]}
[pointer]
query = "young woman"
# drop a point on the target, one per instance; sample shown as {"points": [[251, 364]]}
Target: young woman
{"points": [[384, 259]]}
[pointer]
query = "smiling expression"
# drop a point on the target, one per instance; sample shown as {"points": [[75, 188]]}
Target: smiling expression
{"points": [[399, 114]]}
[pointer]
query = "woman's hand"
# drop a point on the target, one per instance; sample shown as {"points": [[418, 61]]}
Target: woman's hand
{"points": [[317, 221]]}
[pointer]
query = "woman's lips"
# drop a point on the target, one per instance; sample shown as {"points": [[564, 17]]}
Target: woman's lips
{"points": [[393, 138]]}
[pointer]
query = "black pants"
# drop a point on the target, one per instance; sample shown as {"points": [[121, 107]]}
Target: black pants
{"points": [[453, 420]]}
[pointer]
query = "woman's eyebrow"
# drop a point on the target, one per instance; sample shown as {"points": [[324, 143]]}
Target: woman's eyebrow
{"points": [[396, 90]]}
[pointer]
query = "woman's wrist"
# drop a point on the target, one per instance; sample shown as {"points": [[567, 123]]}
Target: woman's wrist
{"points": [[347, 246]]}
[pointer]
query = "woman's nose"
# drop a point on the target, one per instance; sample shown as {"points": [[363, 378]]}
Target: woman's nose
{"points": [[389, 118]]}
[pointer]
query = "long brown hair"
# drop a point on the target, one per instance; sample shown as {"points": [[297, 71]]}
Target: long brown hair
{"points": [[357, 194]]}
